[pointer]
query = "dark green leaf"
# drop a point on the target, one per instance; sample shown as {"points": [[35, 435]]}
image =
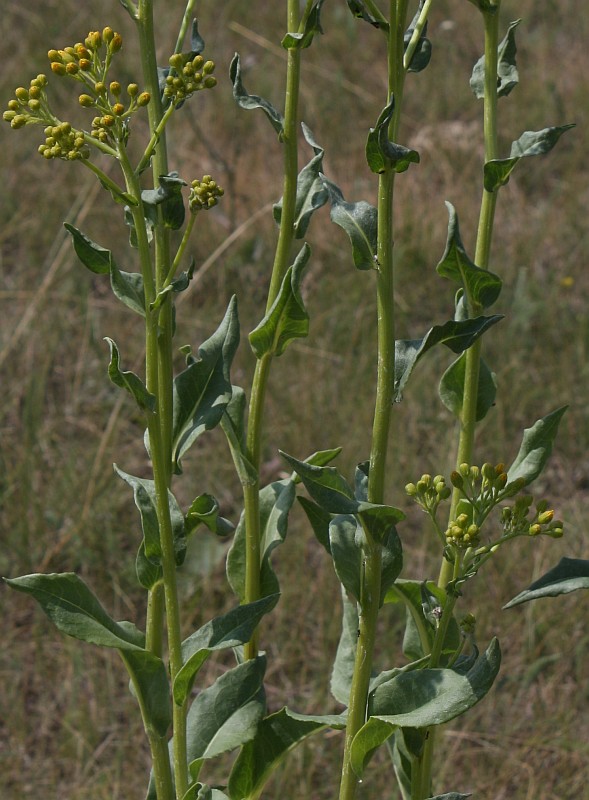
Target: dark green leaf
{"points": [[312, 26], [226, 715], [179, 284], [75, 611], [148, 574], [567, 576], [311, 193], [319, 521], [327, 487], [361, 481], [382, 154], [197, 43], [343, 666], [129, 381], [276, 500], [205, 509], [423, 51], [128, 287], [359, 10], [420, 698], [456, 335], [359, 221], [168, 195], [452, 388], [277, 735], [507, 75], [203, 390], [230, 630], [346, 543], [287, 319], [481, 286], [535, 448], [96, 258], [530, 143], [233, 426], [249, 101]]}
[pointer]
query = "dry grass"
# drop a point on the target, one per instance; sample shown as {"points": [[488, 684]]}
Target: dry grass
{"points": [[68, 727]]}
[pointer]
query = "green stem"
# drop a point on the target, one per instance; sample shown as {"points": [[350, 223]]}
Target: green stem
{"points": [[482, 256], [416, 35], [262, 370], [180, 251]]}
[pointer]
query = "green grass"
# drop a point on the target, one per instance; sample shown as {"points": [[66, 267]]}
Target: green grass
{"points": [[68, 727]]}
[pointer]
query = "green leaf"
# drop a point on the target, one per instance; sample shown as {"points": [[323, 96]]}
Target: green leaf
{"points": [[145, 498], [129, 381], [382, 154], [507, 74], [531, 143], [420, 698], [567, 576], [287, 319], [423, 52], [179, 284], [168, 195], [148, 573], [226, 715], [200, 791], [311, 193], [327, 487], [343, 665], [456, 335], [205, 509], [96, 258], [75, 611], [250, 101], [535, 448], [312, 26], [319, 521], [128, 287], [481, 286], [203, 390], [359, 10], [346, 539], [451, 388], [232, 423], [359, 221], [276, 500], [276, 737], [229, 630]]}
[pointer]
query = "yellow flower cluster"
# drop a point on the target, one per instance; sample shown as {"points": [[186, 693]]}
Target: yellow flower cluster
{"points": [[188, 75], [204, 194]]}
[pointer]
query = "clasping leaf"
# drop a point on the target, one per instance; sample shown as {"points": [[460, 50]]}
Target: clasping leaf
{"points": [[250, 101], [507, 74], [382, 154], [359, 220]]}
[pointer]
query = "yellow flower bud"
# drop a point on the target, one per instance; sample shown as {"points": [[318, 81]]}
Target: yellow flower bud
{"points": [[208, 67], [13, 105], [118, 109], [22, 94], [116, 43], [34, 93], [19, 121], [115, 88], [176, 61], [210, 82], [57, 68], [143, 99], [72, 68], [9, 115], [545, 517], [100, 87], [108, 34], [85, 64], [132, 90], [86, 101]]}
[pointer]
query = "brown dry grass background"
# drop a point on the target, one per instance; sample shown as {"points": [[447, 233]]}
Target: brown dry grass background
{"points": [[68, 727]]}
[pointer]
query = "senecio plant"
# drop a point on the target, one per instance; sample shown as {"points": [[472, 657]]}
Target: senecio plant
{"points": [[475, 512]]}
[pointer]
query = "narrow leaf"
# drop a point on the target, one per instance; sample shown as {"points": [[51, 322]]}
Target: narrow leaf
{"points": [[287, 319], [507, 74], [346, 539], [451, 388], [250, 101], [129, 381], [382, 154], [535, 448], [94, 257], [456, 335], [229, 630], [481, 286], [359, 221], [327, 487], [343, 665], [567, 576], [203, 390]]}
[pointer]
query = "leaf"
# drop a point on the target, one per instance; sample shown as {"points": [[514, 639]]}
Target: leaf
{"points": [[203, 390], [96, 258], [148, 573], [507, 74], [312, 26], [177, 285], [359, 10], [421, 698], [205, 509], [200, 791], [311, 193], [319, 521], [451, 388], [250, 101], [456, 335], [346, 539], [451, 796], [229, 630], [276, 500], [343, 665], [327, 487], [567, 576], [382, 154], [535, 448], [276, 737], [423, 52], [168, 195], [129, 381], [287, 319], [531, 143], [226, 715], [481, 286], [128, 287], [359, 221], [232, 423], [75, 611], [144, 494]]}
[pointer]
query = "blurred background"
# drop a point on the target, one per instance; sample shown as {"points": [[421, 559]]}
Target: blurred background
{"points": [[68, 726]]}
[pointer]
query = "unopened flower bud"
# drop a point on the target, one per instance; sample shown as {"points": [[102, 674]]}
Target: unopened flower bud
{"points": [[13, 105], [9, 115], [132, 90], [464, 470], [85, 64], [72, 68], [116, 43], [34, 92], [487, 471], [22, 94], [143, 99], [208, 67], [19, 121], [85, 100], [34, 105], [53, 55], [118, 109], [210, 82], [410, 488], [545, 517], [108, 34], [115, 88], [501, 480], [176, 61], [556, 532], [475, 474], [456, 480], [57, 68], [535, 529], [93, 41], [197, 62], [100, 87]]}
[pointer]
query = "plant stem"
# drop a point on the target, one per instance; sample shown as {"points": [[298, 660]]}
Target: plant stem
{"points": [[262, 370], [482, 255], [382, 414]]}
